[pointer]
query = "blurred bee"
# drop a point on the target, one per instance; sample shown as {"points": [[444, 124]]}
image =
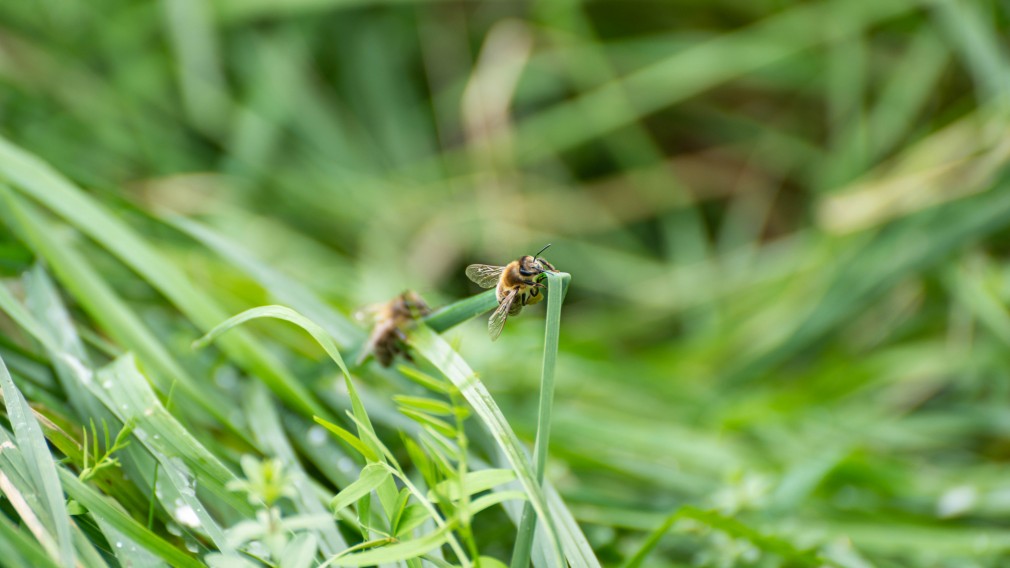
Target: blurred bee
{"points": [[516, 285], [388, 322]]}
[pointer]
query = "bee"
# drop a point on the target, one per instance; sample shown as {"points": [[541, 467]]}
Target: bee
{"points": [[389, 320], [516, 285]]}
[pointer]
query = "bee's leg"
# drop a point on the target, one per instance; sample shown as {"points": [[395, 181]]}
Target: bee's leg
{"points": [[525, 272]]}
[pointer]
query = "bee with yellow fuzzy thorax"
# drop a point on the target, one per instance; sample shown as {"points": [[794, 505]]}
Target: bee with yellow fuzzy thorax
{"points": [[516, 284]]}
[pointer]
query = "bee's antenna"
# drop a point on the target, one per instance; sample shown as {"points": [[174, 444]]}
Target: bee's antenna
{"points": [[542, 250]]}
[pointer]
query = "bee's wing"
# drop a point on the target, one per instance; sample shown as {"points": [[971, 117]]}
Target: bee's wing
{"points": [[497, 321], [484, 275]]}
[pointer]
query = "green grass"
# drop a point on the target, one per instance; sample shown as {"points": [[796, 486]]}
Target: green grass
{"points": [[784, 332]]}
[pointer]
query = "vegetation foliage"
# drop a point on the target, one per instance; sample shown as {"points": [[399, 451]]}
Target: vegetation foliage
{"points": [[778, 338]]}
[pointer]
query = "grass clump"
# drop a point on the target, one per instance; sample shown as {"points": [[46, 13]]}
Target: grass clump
{"points": [[786, 225]]}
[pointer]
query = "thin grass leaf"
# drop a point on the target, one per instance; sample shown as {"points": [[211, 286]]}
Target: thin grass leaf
{"points": [[427, 421], [433, 348], [476, 482], [349, 438], [100, 505], [372, 476], [300, 552], [98, 298], [552, 332], [41, 470], [18, 549], [424, 404], [395, 552], [40, 181]]}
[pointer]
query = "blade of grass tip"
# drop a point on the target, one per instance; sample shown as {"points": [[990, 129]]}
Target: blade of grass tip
{"points": [[41, 469], [552, 331], [286, 290], [281, 313], [432, 347]]}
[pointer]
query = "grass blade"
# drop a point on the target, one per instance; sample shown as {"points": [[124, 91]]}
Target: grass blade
{"points": [[433, 348], [552, 332], [40, 469]]}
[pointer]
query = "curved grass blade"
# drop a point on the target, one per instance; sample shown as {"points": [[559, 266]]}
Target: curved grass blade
{"points": [[387, 491], [286, 290]]}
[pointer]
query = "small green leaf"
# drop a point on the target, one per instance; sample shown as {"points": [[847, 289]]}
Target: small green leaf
{"points": [[394, 552], [413, 516], [425, 380], [424, 404], [438, 425], [401, 505], [348, 437], [476, 482], [371, 477]]}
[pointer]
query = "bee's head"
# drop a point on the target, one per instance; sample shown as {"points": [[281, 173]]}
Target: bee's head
{"points": [[529, 263], [541, 264]]}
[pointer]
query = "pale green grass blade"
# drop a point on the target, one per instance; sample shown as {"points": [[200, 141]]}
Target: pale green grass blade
{"points": [[372, 476], [99, 299], [281, 313], [74, 371], [182, 457], [40, 470], [127, 551], [394, 552], [111, 513], [128, 395], [433, 348], [18, 549], [552, 332], [37, 179]]}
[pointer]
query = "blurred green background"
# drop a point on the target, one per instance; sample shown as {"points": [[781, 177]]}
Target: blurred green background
{"points": [[785, 222]]}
